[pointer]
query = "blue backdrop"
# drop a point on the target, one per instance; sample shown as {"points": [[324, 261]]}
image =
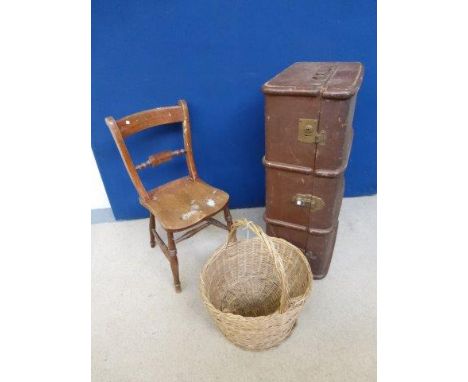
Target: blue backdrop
{"points": [[217, 54]]}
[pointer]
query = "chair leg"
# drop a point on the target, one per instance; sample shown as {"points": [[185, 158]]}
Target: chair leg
{"points": [[152, 225], [173, 261], [228, 218]]}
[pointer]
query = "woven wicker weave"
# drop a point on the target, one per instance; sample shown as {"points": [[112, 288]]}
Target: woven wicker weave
{"points": [[254, 289]]}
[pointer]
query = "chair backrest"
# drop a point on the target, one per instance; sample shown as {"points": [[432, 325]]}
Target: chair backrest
{"points": [[132, 124]]}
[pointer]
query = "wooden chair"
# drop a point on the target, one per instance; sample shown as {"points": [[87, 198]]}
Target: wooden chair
{"points": [[184, 203]]}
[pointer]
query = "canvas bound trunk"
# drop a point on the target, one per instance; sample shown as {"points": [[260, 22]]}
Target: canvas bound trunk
{"points": [[309, 111]]}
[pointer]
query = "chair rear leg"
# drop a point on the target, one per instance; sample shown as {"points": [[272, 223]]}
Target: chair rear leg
{"points": [[174, 261], [228, 218], [152, 225]]}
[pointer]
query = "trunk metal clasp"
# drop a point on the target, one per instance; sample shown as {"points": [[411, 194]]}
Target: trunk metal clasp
{"points": [[315, 203], [308, 131]]}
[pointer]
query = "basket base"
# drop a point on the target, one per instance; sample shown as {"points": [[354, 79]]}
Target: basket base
{"points": [[270, 346]]}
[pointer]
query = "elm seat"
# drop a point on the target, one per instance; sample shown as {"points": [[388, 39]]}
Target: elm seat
{"points": [[184, 202]]}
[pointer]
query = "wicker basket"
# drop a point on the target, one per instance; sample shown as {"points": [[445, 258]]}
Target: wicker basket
{"points": [[254, 289]]}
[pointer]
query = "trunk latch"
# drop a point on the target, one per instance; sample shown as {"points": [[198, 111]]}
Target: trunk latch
{"points": [[308, 132], [307, 200]]}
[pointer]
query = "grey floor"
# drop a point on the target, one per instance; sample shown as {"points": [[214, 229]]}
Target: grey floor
{"points": [[143, 331]]}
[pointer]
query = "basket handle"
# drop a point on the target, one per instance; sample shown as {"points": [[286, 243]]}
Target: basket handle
{"points": [[257, 230]]}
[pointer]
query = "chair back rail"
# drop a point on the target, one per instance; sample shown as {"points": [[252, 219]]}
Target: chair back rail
{"points": [[143, 120]]}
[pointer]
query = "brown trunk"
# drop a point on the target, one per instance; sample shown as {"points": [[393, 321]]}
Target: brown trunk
{"points": [[309, 111]]}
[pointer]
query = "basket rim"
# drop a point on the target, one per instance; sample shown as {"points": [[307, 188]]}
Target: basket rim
{"points": [[219, 251]]}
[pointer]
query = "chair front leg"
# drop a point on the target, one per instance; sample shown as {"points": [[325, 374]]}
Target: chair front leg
{"points": [[152, 225], [174, 261]]}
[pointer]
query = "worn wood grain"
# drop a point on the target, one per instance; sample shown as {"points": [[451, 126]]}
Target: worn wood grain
{"points": [[184, 202]]}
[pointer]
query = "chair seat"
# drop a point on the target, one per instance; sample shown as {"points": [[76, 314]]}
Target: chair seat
{"points": [[184, 202]]}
